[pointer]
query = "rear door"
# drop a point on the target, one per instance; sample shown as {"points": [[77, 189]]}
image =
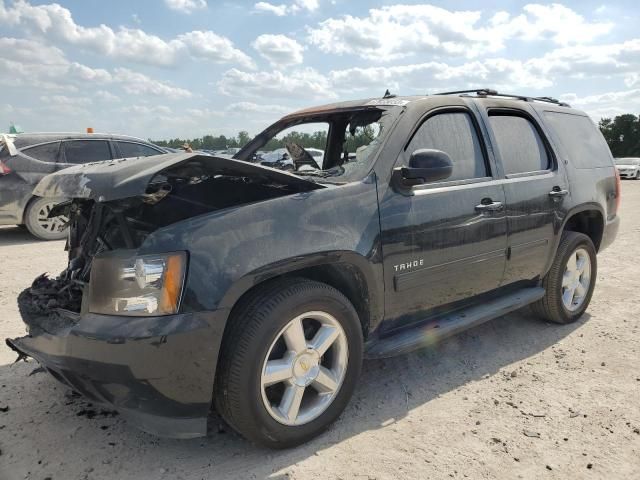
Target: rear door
{"points": [[535, 187], [443, 241], [84, 151]]}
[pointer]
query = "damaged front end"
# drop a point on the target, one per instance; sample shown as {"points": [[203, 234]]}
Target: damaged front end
{"points": [[110, 325]]}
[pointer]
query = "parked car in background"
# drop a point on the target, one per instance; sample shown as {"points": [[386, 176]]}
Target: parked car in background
{"points": [[28, 157], [628, 167]]}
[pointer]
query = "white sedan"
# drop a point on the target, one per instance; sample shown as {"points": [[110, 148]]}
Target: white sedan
{"points": [[628, 167]]}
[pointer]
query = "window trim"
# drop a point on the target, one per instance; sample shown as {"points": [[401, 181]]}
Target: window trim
{"points": [[63, 157], [483, 146], [514, 112]]}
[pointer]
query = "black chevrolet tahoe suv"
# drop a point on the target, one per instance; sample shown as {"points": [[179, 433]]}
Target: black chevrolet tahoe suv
{"points": [[197, 281]]}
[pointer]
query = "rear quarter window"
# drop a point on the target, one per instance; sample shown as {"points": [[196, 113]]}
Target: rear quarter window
{"points": [[581, 139], [47, 152]]}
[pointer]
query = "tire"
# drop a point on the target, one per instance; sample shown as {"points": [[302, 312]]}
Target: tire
{"points": [[252, 338], [554, 305], [38, 226], [637, 177]]}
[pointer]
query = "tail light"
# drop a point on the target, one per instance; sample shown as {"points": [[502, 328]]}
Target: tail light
{"points": [[618, 190], [4, 170]]}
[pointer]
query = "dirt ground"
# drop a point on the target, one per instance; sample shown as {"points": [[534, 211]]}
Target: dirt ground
{"points": [[514, 398]]}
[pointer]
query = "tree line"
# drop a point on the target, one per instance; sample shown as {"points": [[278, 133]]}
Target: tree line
{"points": [[622, 133]]}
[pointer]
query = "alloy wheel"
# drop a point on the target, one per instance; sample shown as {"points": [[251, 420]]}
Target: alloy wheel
{"points": [[576, 279], [304, 368]]}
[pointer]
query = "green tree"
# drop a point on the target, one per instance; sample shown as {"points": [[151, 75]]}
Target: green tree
{"points": [[622, 134]]}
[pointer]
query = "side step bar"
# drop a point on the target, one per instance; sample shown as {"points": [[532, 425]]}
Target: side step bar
{"points": [[425, 334]]}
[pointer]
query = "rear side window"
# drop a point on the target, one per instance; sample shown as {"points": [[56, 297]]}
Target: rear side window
{"points": [[47, 152], [453, 133], [84, 151], [581, 139], [519, 143], [130, 149]]}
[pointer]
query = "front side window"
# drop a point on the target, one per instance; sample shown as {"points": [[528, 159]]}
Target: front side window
{"points": [[519, 143], [47, 152], [337, 146], [85, 151], [453, 133], [130, 149]]}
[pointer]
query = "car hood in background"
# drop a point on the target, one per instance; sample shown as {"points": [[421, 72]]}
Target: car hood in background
{"points": [[130, 177]]}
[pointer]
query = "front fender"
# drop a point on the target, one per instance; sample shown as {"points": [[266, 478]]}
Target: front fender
{"points": [[234, 249]]}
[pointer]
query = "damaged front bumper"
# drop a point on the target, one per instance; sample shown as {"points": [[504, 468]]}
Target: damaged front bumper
{"points": [[158, 372]]}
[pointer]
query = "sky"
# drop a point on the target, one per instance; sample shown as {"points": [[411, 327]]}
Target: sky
{"points": [[184, 68]]}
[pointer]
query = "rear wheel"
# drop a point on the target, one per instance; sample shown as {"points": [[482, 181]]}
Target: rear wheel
{"points": [[289, 362], [39, 225], [571, 280]]}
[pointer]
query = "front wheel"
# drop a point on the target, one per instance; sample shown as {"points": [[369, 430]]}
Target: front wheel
{"points": [[570, 282], [289, 362]]}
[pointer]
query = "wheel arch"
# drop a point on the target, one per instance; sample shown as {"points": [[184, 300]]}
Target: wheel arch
{"points": [[348, 272]]}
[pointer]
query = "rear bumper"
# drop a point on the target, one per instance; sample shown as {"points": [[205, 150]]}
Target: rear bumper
{"points": [[158, 372], [610, 232]]}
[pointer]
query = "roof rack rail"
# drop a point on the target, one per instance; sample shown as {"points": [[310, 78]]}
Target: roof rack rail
{"points": [[484, 92]]}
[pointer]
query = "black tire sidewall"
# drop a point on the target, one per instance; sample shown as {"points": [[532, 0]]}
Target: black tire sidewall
{"points": [[271, 432]]}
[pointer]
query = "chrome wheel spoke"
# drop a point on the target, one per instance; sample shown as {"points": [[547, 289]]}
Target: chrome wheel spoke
{"points": [[324, 339], [277, 371], [291, 400], [320, 363], [325, 382], [294, 336], [576, 280]]}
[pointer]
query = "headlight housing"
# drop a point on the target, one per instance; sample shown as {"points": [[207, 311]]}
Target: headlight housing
{"points": [[148, 285]]}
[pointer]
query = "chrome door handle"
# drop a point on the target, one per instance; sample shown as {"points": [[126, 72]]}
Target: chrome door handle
{"points": [[490, 207], [558, 193]]}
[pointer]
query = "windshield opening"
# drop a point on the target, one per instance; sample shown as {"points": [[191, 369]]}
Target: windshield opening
{"points": [[627, 161], [339, 146]]}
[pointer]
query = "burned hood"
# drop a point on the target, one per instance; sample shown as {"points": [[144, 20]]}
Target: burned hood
{"points": [[130, 177]]}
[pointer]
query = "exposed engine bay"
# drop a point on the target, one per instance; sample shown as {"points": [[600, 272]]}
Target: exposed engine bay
{"points": [[191, 185]]}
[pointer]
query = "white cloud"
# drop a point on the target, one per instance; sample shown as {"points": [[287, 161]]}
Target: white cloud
{"points": [[66, 100], [139, 84], [607, 104], [306, 83], [250, 107], [186, 6], [210, 46], [40, 66], [398, 31], [279, 50], [132, 44], [283, 9], [278, 10]]}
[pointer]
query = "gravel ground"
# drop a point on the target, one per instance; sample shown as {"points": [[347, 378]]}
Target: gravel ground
{"points": [[514, 398]]}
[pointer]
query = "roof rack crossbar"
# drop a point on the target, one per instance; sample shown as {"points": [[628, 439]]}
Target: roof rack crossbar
{"points": [[484, 92]]}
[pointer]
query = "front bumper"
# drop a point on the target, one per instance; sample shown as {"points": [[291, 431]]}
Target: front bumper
{"points": [[158, 372], [627, 174]]}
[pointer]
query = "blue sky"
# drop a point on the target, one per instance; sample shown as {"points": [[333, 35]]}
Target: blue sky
{"points": [[184, 68]]}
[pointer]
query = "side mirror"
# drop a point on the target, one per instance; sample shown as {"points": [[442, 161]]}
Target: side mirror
{"points": [[426, 165]]}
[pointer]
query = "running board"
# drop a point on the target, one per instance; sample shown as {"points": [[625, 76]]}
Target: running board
{"points": [[434, 331]]}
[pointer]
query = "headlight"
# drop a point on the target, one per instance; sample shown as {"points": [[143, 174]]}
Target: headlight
{"points": [[136, 286]]}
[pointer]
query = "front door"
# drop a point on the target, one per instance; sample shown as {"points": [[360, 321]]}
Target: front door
{"points": [[444, 241]]}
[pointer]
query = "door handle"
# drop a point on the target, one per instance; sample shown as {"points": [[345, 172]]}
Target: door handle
{"points": [[489, 206], [558, 192]]}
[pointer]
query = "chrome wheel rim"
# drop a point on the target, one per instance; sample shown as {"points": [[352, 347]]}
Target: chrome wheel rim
{"points": [[576, 279], [304, 368], [51, 225]]}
